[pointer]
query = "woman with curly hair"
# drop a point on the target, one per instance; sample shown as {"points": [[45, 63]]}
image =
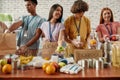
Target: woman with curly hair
{"points": [[77, 26]]}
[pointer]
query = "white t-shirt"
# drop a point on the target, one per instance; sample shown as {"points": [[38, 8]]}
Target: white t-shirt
{"points": [[55, 34]]}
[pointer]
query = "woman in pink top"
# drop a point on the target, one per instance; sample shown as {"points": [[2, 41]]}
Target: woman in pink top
{"points": [[107, 26], [53, 29]]}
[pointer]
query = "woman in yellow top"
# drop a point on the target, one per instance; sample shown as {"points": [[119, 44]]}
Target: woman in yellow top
{"points": [[77, 26]]}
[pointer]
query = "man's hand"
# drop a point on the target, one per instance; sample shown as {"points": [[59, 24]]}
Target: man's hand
{"points": [[22, 50]]}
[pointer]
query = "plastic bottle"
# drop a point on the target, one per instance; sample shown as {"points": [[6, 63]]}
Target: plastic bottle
{"points": [[107, 50]]}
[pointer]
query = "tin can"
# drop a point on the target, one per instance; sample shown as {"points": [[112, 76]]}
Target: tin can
{"points": [[14, 66], [99, 64], [55, 58]]}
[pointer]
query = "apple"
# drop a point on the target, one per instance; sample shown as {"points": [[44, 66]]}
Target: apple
{"points": [[113, 38], [57, 67], [9, 61], [61, 64], [60, 49], [3, 62]]}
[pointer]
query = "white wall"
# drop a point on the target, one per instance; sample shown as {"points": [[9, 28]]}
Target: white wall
{"points": [[17, 8]]}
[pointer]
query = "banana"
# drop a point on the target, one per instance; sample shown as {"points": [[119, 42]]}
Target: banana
{"points": [[25, 60]]}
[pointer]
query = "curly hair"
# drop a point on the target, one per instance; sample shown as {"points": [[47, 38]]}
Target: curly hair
{"points": [[79, 6]]}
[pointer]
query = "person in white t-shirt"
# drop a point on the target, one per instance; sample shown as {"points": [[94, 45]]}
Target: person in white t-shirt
{"points": [[53, 29]]}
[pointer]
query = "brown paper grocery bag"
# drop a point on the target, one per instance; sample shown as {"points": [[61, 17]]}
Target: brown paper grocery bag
{"points": [[7, 43], [48, 49]]}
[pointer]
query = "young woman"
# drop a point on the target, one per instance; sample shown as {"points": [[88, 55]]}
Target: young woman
{"points": [[53, 29], [107, 26]]}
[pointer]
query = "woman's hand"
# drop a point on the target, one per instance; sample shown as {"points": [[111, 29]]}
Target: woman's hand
{"points": [[106, 37], [46, 40], [77, 43]]}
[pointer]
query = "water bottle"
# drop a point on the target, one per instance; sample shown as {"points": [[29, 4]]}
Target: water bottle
{"points": [[107, 50]]}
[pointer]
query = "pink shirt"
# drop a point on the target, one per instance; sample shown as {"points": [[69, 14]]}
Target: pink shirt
{"points": [[112, 26], [45, 29]]}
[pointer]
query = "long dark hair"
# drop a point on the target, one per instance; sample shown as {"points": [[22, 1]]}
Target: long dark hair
{"points": [[101, 16], [52, 9]]}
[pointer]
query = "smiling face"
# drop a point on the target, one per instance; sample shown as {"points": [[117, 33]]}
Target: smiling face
{"points": [[57, 13], [106, 15]]}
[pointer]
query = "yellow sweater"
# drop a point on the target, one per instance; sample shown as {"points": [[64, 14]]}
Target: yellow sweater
{"points": [[71, 31]]}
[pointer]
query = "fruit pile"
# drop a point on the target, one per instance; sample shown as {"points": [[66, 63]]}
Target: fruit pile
{"points": [[5, 67], [52, 67]]}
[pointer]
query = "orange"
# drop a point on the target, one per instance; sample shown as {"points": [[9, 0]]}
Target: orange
{"points": [[50, 69], [44, 66], [92, 42], [47, 58], [55, 64], [7, 68]]}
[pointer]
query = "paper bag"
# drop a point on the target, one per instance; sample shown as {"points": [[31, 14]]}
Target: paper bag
{"points": [[1, 30], [7, 43], [80, 54], [48, 49]]}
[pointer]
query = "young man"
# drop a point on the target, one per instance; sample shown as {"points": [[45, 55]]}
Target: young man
{"points": [[28, 40]]}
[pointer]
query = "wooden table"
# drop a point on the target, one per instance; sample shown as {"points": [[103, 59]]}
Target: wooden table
{"points": [[89, 74]]}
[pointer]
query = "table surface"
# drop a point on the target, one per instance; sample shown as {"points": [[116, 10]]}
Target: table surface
{"points": [[89, 74]]}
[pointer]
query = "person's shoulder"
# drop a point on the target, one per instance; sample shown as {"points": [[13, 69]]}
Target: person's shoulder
{"points": [[115, 22], [46, 22], [25, 16], [85, 18], [60, 24], [100, 25], [69, 18], [41, 18]]}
